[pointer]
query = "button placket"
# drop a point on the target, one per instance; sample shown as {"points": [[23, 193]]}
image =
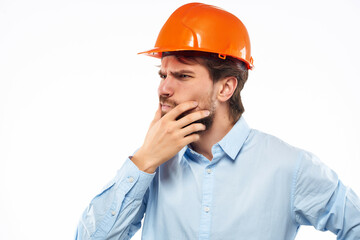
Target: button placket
{"points": [[207, 195], [207, 209], [130, 179]]}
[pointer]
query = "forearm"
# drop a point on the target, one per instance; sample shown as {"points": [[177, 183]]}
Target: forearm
{"points": [[322, 200], [117, 206], [351, 220]]}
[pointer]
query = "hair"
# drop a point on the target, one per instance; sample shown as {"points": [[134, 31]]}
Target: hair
{"points": [[218, 69]]}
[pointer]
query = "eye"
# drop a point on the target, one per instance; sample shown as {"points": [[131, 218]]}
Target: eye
{"points": [[184, 76], [162, 76]]}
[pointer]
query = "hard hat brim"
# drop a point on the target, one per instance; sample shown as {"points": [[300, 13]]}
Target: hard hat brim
{"points": [[157, 53]]}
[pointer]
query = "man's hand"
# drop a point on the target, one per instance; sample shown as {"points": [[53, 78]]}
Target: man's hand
{"points": [[167, 136]]}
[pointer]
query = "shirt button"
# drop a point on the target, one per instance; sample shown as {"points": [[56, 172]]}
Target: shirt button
{"points": [[131, 179], [113, 213], [208, 170], [207, 209]]}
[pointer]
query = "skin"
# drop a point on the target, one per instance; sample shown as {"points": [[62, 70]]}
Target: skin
{"points": [[187, 94]]}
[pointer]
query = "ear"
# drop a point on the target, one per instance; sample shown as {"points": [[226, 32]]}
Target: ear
{"points": [[226, 88]]}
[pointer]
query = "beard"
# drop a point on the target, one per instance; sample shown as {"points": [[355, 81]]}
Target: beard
{"points": [[207, 121]]}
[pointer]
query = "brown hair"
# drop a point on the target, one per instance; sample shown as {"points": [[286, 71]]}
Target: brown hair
{"points": [[219, 69]]}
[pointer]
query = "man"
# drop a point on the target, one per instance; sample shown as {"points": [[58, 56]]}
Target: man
{"points": [[201, 172]]}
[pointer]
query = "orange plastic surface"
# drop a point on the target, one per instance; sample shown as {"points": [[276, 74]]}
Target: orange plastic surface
{"points": [[201, 27]]}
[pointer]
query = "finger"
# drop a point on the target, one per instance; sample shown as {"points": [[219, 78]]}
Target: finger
{"points": [[181, 108], [192, 128], [190, 138], [157, 116], [192, 117]]}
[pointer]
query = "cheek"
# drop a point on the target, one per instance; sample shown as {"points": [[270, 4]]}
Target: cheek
{"points": [[205, 103], [188, 93]]}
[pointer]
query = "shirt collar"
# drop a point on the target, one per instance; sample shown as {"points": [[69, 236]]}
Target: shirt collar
{"points": [[232, 143]]}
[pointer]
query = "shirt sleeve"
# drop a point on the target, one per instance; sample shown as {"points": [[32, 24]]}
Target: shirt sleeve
{"points": [[116, 212], [322, 200]]}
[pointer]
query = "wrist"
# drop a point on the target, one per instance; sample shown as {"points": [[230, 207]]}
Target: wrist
{"points": [[143, 162]]}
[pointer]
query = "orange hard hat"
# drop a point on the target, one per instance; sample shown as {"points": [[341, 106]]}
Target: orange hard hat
{"points": [[206, 28]]}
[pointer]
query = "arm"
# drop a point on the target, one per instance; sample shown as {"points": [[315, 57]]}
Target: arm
{"points": [[320, 199], [117, 211], [167, 135]]}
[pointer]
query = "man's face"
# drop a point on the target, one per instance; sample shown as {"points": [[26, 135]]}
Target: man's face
{"points": [[181, 82]]}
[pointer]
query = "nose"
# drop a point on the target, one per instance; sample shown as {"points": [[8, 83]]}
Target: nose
{"points": [[166, 87]]}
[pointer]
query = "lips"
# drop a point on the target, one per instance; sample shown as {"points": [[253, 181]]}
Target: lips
{"points": [[166, 104], [165, 107]]}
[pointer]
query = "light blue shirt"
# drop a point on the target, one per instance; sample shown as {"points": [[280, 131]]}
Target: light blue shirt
{"points": [[256, 187]]}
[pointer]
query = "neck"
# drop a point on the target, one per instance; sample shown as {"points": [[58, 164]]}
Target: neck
{"points": [[222, 124]]}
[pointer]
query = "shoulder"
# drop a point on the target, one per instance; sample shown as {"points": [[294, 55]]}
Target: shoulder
{"points": [[270, 144], [275, 151]]}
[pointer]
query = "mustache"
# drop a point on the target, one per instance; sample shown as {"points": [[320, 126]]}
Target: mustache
{"points": [[171, 103], [165, 100]]}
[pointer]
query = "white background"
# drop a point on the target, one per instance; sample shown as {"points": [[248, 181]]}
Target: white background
{"points": [[76, 99]]}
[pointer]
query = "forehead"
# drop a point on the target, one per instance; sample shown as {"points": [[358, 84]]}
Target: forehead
{"points": [[173, 63]]}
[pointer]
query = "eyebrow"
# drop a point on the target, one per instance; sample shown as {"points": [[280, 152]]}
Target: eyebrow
{"points": [[178, 73]]}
